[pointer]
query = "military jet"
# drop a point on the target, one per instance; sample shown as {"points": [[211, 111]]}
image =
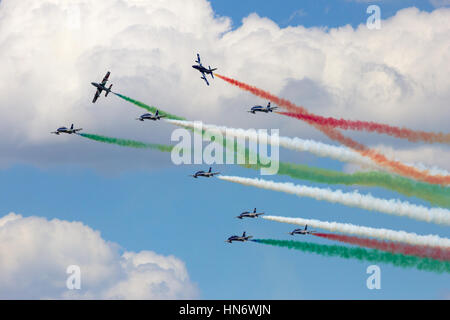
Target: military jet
{"points": [[65, 130], [302, 231], [262, 109], [204, 71], [101, 87], [248, 214], [237, 238], [150, 116], [204, 174]]}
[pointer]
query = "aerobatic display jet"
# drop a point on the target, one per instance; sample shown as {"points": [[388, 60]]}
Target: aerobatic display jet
{"points": [[102, 87], [204, 71], [206, 174], [243, 238], [65, 130], [262, 109], [302, 231], [151, 116], [248, 214]]}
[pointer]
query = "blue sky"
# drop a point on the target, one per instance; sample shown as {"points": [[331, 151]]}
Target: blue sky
{"points": [[166, 211], [312, 13]]}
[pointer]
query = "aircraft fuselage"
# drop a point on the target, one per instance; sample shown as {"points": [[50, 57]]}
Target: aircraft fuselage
{"points": [[203, 174], [100, 86], [149, 116], [235, 238], [260, 109], [202, 69]]}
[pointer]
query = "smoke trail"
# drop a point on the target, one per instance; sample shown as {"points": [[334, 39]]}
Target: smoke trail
{"points": [[320, 149], [333, 134], [395, 166], [403, 133], [127, 143], [362, 254], [149, 108], [303, 114], [393, 247], [317, 148], [435, 194], [379, 233], [352, 199]]}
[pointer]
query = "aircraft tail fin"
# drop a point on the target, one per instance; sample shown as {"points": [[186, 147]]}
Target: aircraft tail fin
{"points": [[157, 113], [211, 71], [210, 168], [243, 235], [71, 127], [254, 211]]}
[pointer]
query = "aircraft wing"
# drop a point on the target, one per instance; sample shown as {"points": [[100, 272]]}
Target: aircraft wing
{"points": [[97, 94], [105, 79], [76, 130], [204, 78]]}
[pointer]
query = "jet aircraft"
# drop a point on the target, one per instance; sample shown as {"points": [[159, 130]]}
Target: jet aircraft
{"points": [[243, 238], [206, 174], [248, 214], [65, 130], [101, 87], [302, 231], [150, 116], [262, 109], [204, 71]]}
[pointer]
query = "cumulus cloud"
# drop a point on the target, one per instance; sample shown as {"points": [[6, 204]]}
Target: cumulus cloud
{"points": [[35, 253], [50, 50]]}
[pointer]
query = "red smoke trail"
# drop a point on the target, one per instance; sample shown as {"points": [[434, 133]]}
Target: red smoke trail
{"points": [[437, 253], [303, 114], [403, 133], [335, 135]]}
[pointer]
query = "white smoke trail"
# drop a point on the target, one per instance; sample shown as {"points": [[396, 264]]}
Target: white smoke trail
{"points": [[383, 234], [319, 149], [352, 199]]}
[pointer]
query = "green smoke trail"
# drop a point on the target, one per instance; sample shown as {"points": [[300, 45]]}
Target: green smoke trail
{"points": [[149, 108], [362, 254], [127, 143], [435, 194]]}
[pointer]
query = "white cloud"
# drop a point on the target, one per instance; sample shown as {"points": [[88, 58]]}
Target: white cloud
{"points": [[396, 75], [35, 253]]}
